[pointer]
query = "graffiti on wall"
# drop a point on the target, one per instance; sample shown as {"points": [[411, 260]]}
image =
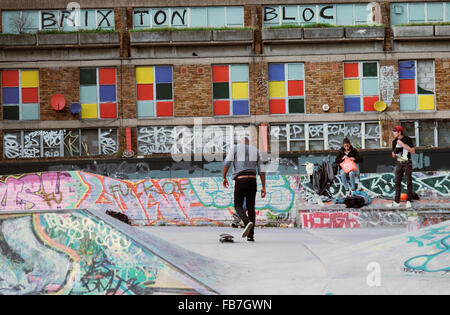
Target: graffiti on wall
{"points": [[435, 242], [194, 201], [62, 253]]}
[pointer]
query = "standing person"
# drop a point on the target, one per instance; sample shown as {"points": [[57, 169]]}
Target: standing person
{"points": [[247, 162], [347, 151], [402, 148]]}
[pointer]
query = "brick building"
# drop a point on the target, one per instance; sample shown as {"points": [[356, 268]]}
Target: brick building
{"points": [[138, 80]]}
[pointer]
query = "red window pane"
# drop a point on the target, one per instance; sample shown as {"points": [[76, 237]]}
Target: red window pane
{"points": [[407, 86], [108, 110], [164, 109], [221, 108], [107, 76], [295, 88], [277, 107], [368, 103], [145, 92], [30, 95], [220, 74], [351, 70], [10, 78]]}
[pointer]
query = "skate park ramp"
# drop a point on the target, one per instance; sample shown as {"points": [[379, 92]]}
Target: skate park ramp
{"points": [[84, 252], [410, 263]]}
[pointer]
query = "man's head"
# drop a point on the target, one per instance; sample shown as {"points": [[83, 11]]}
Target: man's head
{"points": [[397, 131], [346, 144]]}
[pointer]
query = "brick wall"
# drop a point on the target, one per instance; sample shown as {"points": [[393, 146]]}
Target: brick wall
{"points": [[64, 81], [442, 81], [324, 85], [192, 88]]}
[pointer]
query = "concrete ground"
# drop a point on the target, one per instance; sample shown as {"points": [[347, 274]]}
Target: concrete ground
{"points": [[298, 261]]}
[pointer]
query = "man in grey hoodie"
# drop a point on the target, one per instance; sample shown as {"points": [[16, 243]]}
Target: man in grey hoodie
{"points": [[247, 162]]}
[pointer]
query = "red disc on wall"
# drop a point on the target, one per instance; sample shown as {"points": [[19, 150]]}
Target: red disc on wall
{"points": [[58, 102]]}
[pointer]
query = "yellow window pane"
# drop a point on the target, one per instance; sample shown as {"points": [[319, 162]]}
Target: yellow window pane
{"points": [[144, 75], [351, 87], [276, 89], [89, 111], [239, 90], [30, 78], [426, 102]]}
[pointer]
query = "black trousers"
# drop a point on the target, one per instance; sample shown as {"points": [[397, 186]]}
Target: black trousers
{"points": [[246, 188], [403, 167]]}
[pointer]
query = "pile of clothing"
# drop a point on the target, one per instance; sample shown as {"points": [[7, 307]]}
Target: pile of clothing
{"points": [[357, 199]]}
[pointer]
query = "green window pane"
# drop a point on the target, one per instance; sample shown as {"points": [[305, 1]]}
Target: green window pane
{"points": [[416, 12], [221, 91], [216, 16], [370, 69], [164, 91], [370, 86], [296, 106], [199, 17], [435, 12], [235, 16], [88, 76], [145, 109], [239, 73], [407, 102], [344, 14]]}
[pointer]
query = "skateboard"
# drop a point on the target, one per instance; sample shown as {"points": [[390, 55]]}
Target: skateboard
{"points": [[226, 238]]}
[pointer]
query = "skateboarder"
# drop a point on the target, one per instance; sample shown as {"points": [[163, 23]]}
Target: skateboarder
{"points": [[247, 162], [402, 148]]}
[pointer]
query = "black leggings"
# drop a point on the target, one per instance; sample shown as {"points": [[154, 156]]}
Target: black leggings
{"points": [[246, 188]]}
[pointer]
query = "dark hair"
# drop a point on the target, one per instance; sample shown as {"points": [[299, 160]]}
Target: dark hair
{"points": [[346, 141]]}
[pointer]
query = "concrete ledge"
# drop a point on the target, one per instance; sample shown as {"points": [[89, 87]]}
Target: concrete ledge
{"points": [[99, 38], [364, 32], [149, 37], [282, 34], [442, 30], [17, 40], [191, 36], [233, 35], [332, 32], [58, 39], [413, 31]]}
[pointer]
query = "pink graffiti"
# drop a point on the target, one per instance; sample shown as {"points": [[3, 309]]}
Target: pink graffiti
{"points": [[316, 220]]}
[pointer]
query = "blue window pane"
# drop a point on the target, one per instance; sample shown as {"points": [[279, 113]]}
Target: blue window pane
{"points": [[399, 13], [407, 102], [352, 104], [271, 15], [49, 20], [163, 74], [235, 16], [141, 18], [216, 16], [107, 93], [435, 12], [160, 17], [416, 12], [32, 21], [363, 14], [105, 19], [289, 14], [10, 95], [344, 14], [308, 14], [179, 17], [88, 20], [276, 72], [8, 27], [329, 14], [407, 69], [240, 107], [239, 73], [199, 17], [145, 109]]}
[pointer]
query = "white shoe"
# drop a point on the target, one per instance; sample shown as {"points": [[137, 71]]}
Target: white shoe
{"points": [[247, 229], [408, 204], [393, 205]]}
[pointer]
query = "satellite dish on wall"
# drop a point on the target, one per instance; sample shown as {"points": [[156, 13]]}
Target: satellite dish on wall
{"points": [[380, 106], [58, 102], [75, 108]]}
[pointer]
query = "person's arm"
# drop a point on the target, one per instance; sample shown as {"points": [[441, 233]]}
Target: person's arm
{"points": [[339, 158], [406, 147], [358, 158], [262, 173], [224, 177], [263, 184]]}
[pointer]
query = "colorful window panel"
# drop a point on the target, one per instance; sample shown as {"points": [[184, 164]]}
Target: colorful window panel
{"points": [[230, 90], [98, 93], [20, 94], [361, 88], [154, 91], [286, 88], [416, 85]]}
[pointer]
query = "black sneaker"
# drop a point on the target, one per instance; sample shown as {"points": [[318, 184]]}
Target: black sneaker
{"points": [[250, 239], [247, 229]]}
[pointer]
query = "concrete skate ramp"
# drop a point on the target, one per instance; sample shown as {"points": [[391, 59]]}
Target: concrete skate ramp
{"points": [[410, 263], [82, 252]]}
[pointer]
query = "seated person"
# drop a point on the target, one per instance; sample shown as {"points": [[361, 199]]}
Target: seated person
{"points": [[348, 152]]}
